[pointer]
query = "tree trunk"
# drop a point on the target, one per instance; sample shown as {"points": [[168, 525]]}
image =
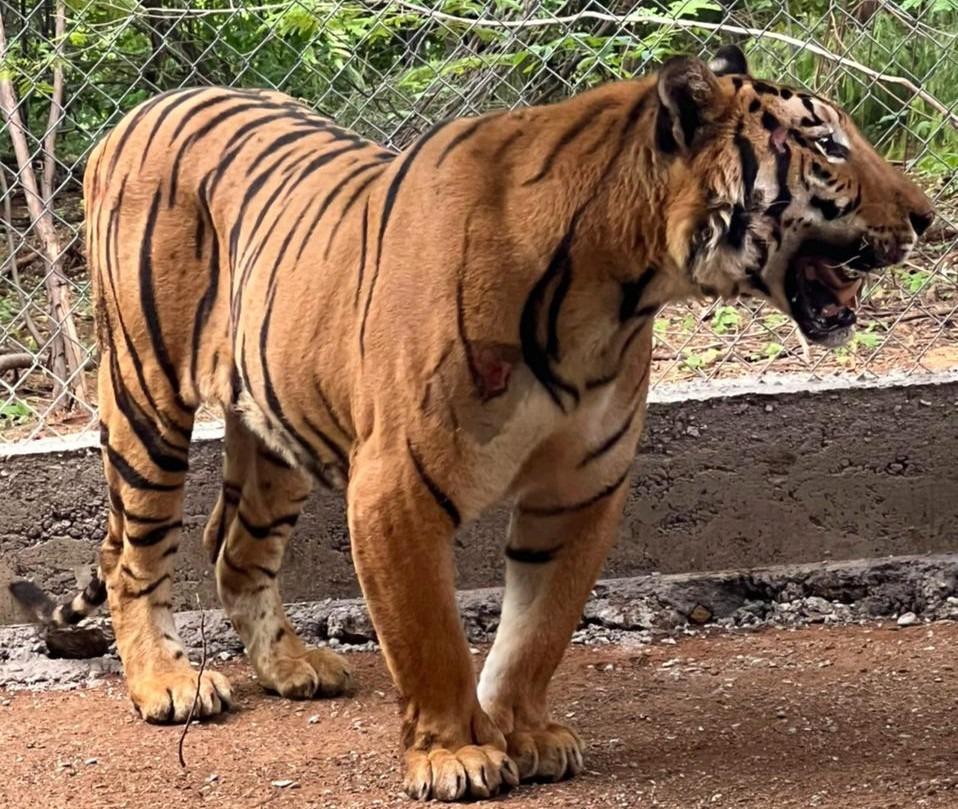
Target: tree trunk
{"points": [[66, 354]]}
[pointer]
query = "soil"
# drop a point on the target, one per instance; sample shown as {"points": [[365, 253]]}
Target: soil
{"points": [[858, 717]]}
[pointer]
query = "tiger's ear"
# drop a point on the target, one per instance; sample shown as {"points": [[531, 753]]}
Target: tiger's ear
{"points": [[689, 94], [729, 60]]}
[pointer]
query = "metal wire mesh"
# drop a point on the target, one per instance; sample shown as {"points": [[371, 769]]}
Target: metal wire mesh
{"points": [[389, 70]]}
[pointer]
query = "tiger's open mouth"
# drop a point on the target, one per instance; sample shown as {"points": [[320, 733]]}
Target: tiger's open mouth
{"points": [[822, 285]]}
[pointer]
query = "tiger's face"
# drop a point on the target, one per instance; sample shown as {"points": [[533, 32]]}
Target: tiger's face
{"points": [[795, 205]]}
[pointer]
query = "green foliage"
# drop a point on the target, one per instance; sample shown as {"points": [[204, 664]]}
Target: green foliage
{"points": [[726, 319], [13, 414], [388, 71]]}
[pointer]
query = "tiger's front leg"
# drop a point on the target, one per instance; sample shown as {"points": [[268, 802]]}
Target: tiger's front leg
{"points": [[402, 524], [553, 558]]}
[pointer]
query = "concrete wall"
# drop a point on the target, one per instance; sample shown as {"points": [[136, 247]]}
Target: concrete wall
{"points": [[731, 481]]}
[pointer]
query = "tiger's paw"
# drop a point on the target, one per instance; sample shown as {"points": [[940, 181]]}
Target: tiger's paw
{"points": [[550, 753], [318, 673], [473, 771], [167, 695]]}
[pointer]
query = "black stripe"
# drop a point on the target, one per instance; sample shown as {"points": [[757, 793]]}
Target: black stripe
{"points": [[555, 511], [199, 237], [255, 185], [205, 305], [466, 133], [364, 230], [738, 227], [783, 160], [827, 207], [333, 415], [198, 136], [529, 556], [112, 233], [148, 304], [235, 145], [567, 137], [534, 354], [664, 136], [632, 292], [746, 156], [807, 103], [555, 306], [474, 373], [144, 519], [348, 205], [167, 457], [441, 498], [287, 138], [149, 588], [189, 115], [329, 199], [264, 531], [272, 398], [133, 478], [392, 192], [271, 457], [154, 537], [609, 442], [331, 445], [504, 145], [267, 207], [137, 117]]}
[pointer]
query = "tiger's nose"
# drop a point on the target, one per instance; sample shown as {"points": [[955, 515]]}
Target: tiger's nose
{"points": [[921, 220]]}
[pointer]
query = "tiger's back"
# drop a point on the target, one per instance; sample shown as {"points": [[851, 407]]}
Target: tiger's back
{"points": [[196, 201]]}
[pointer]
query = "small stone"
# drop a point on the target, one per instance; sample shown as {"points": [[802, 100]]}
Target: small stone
{"points": [[907, 619], [314, 719], [700, 614], [285, 783], [90, 762], [212, 778]]}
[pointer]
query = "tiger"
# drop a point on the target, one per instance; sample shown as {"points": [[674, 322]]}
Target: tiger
{"points": [[463, 323]]}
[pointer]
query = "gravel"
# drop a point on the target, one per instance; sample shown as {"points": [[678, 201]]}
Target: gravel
{"points": [[633, 612]]}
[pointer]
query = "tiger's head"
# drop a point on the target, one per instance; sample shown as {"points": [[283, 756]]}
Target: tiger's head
{"points": [[775, 193]]}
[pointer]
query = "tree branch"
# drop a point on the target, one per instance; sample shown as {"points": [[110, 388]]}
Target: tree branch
{"points": [[654, 19]]}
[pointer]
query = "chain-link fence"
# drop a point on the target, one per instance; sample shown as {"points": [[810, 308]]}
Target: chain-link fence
{"points": [[70, 70]]}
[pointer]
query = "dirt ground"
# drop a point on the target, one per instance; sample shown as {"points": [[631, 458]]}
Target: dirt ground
{"points": [[852, 717]]}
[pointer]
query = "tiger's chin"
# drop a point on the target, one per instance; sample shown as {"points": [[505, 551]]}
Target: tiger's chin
{"points": [[822, 284]]}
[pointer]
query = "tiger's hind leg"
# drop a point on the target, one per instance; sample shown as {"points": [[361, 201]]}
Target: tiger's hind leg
{"points": [[145, 449], [246, 537]]}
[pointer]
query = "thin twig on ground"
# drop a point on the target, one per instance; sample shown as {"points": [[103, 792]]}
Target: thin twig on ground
{"points": [[199, 681]]}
